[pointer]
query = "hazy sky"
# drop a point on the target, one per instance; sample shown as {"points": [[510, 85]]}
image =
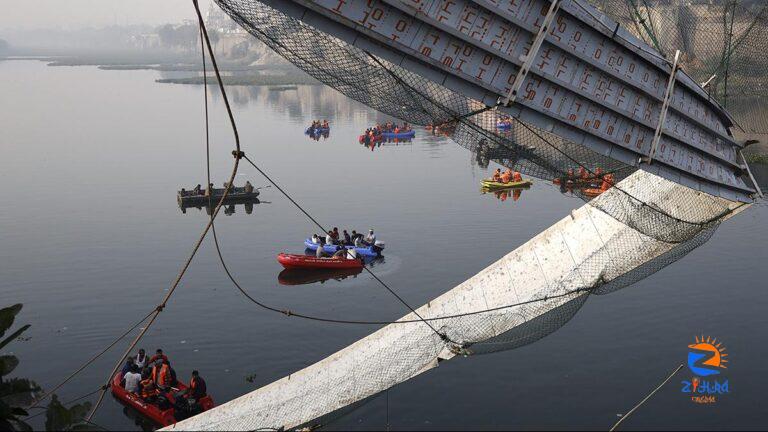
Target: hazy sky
{"points": [[72, 14]]}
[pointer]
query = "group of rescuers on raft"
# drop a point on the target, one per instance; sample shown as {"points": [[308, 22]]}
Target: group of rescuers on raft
{"points": [[334, 238], [372, 133], [317, 125], [151, 377], [507, 176]]}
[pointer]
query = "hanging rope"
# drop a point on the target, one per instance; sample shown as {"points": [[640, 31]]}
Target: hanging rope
{"points": [[625, 416], [238, 154], [88, 363]]}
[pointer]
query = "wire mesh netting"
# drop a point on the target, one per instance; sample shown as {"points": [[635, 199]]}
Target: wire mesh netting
{"points": [[724, 39], [659, 221]]}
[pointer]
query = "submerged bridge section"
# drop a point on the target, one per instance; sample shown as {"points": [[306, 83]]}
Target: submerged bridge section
{"points": [[561, 66], [570, 254]]}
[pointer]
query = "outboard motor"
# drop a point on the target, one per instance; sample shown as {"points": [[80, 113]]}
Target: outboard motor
{"points": [[378, 246]]}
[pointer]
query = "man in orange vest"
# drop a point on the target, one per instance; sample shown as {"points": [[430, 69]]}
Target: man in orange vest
{"points": [[197, 386], [161, 374], [507, 176]]}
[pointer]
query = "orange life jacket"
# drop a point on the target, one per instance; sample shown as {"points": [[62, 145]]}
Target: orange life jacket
{"points": [[163, 378], [517, 177], [506, 177]]}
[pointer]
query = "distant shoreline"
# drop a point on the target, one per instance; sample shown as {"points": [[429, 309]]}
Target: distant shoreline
{"points": [[290, 79], [244, 75]]}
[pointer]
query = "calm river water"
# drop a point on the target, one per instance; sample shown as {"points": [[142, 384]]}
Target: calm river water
{"points": [[91, 238]]}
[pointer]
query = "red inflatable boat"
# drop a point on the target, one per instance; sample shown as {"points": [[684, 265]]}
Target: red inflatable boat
{"points": [[293, 261], [162, 416]]}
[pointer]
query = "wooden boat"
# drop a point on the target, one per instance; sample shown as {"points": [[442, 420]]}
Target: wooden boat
{"points": [[192, 198]]}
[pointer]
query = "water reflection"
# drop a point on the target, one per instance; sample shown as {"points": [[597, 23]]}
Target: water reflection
{"points": [[309, 276], [505, 194], [302, 102], [228, 209]]}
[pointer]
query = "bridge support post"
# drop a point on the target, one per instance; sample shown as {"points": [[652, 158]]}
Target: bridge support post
{"points": [[664, 108], [538, 40]]}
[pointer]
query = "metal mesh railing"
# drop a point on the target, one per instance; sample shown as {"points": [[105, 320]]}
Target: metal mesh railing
{"points": [[722, 38], [403, 94]]}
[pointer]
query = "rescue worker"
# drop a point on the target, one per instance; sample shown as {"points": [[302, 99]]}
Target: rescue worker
{"points": [[158, 356], [507, 176], [197, 386], [132, 380], [126, 367], [516, 177], [161, 374], [319, 253], [497, 175], [370, 239], [141, 359]]}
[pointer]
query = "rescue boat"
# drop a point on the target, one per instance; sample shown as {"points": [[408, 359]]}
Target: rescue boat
{"points": [[162, 411], [295, 261]]}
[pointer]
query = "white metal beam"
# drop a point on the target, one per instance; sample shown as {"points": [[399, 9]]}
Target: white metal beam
{"points": [[531, 56], [664, 107]]}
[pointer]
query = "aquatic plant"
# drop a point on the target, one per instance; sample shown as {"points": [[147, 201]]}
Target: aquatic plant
{"points": [[18, 395]]}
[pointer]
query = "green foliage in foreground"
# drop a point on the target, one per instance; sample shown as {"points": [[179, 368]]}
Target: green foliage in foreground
{"points": [[17, 395]]}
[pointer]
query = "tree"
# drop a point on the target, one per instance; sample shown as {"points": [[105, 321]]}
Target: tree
{"points": [[18, 394]]}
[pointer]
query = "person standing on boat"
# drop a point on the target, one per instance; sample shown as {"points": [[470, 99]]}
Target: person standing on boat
{"points": [[141, 359], [370, 239], [248, 187]]}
